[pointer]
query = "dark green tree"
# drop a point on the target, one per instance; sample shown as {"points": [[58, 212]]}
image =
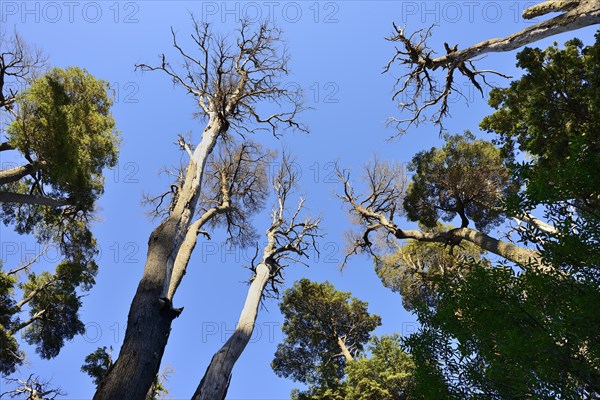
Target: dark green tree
{"points": [[61, 128], [385, 375], [499, 333], [553, 114], [465, 178], [98, 363], [324, 329]]}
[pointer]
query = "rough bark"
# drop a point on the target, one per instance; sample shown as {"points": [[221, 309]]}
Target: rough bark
{"points": [[215, 382], [151, 314]]}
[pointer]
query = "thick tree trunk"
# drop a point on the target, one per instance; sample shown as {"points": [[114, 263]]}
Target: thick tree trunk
{"points": [[215, 382], [151, 313]]}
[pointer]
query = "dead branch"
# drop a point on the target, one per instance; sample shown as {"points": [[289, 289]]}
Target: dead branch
{"points": [[414, 54], [375, 212], [32, 388], [19, 64], [291, 236], [229, 80]]}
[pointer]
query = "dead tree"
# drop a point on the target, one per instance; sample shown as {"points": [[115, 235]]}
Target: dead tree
{"points": [[227, 80], [381, 204], [414, 54], [289, 238], [32, 388], [19, 64]]}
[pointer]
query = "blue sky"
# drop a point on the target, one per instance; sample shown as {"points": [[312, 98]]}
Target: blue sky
{"points": [[338, 53]]}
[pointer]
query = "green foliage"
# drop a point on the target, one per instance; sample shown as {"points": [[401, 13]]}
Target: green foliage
{"points": [[509, 336], [467, 177], [500, 334], [317, 318], [55, 306], [64, 125], [553, 114], [98, 363], [412, 270], [64, 130], [386, 375]]}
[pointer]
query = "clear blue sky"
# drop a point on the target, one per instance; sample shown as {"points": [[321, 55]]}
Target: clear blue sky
{"points": [[338, 51]]}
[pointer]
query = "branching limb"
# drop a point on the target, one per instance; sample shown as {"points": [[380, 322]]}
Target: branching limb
{"points": [[290, 236], [414, 54], [228, 81], [379, 217], [19, 64], [31, 388], [29, 263]]}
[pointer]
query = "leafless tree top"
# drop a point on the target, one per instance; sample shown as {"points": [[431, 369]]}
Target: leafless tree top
{"points": [[291, 235], [428, 99], [19, 64], [32, 388], [228, 77]]}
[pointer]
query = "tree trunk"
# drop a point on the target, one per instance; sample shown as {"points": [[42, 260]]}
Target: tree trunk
{"points": [[151, 313], [9, 197], [344, 349], [215, 382]]}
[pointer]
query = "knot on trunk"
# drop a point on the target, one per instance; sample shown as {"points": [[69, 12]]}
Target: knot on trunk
{"points": [[166, 308]]}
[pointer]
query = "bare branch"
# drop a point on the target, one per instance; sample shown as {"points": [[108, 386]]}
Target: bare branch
{"points": [[229, 80], [32, 388], [377, 216], [19, 64], [290, 236], [422, 79], [29, 263]]}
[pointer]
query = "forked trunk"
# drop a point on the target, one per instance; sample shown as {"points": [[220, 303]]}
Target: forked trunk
{"points": [[151, 313]]}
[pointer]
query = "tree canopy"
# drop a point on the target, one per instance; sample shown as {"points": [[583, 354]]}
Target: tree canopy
{"points": [[60, 125], [467, 177], [503, 334], [324, 329]]}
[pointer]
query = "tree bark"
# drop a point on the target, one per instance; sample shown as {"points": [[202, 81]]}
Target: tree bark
{"points": [[151, 314], [9, 197], [15, 174], [187, 248], [6, 146], [216, 379], [586, 13], [484, 241]]}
